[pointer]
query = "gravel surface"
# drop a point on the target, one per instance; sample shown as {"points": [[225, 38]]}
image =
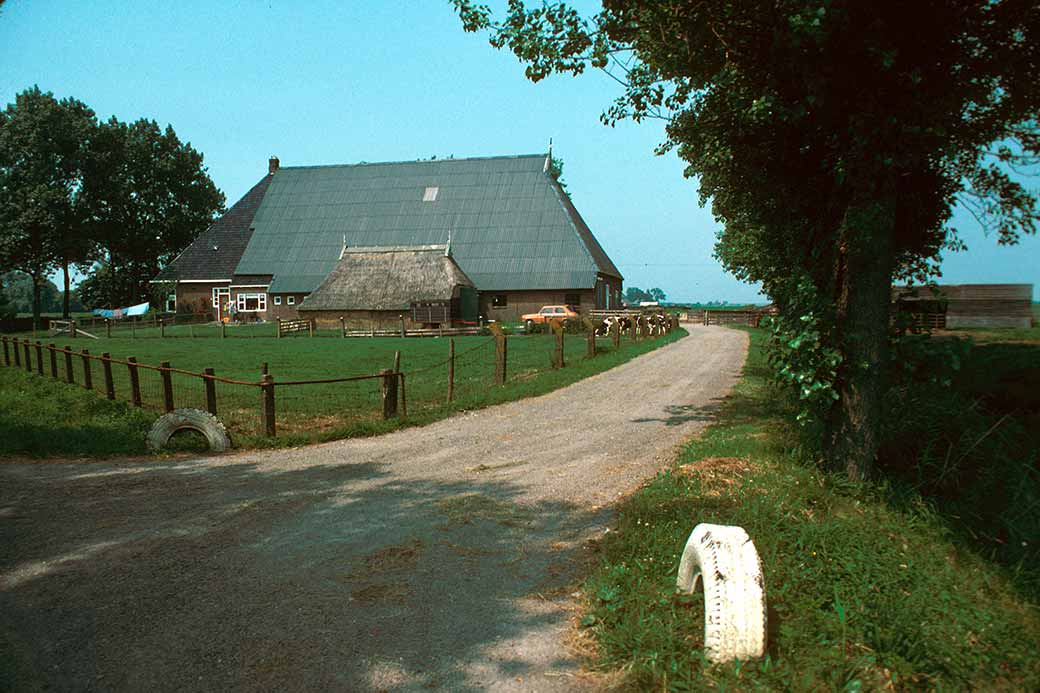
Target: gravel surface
{"points": [[436, 557]]}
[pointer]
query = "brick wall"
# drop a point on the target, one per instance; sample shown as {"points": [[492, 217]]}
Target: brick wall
{"points": [[362, 319], [520, 302], [196, 297], [284, 311]]}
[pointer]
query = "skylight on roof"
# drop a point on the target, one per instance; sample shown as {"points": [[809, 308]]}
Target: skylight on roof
{"points": [[430, 194]]}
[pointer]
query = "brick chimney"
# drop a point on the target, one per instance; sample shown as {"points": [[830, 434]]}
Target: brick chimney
{"points": [[272, 165]]}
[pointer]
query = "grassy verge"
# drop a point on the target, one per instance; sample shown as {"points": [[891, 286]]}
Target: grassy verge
{"points": [[868, 586], [30, 405]]}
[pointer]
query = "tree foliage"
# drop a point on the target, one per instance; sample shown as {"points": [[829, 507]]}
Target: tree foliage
{"points": [[149, 196], [43, 146], [634, 294], [832, 138], [117, 198]]}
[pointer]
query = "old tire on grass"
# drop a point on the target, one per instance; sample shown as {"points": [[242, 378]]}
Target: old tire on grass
{"points": [[724, 559], [189, 420]]}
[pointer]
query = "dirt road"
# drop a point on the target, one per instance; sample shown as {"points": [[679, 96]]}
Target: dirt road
{"points": [[435, 557]]}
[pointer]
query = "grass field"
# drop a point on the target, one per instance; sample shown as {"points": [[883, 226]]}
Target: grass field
{"points": [[871, 587], [307, 413]]}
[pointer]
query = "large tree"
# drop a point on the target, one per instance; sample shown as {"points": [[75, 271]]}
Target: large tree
{"points": [[149, 196], [832, 138], [43, 144]]}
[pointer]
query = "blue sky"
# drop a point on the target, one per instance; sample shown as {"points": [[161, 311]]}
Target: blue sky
{"points": [[343, 82]]}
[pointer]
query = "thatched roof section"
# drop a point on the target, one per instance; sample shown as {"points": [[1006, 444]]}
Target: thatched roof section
{"points": [[388, 278]]}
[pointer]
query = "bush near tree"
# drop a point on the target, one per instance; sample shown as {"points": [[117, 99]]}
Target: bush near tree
{"points": [[832, 139]]}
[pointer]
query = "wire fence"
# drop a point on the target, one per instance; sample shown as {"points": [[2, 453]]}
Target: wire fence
{"points": [[463, 375]]}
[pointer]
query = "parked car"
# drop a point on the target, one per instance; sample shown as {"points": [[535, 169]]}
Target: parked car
{"points": [[548, 313]]}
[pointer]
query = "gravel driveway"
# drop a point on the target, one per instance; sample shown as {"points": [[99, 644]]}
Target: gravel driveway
{"points": [[435, 557]]}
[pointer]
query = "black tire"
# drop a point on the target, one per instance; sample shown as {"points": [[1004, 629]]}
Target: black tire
{"points": [[191, 420]]}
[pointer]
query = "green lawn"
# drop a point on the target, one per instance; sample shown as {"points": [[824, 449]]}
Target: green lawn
{"points": [[317, 412], [869, 587]]}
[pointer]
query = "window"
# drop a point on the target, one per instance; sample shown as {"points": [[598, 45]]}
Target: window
{"points": [[291, 300], [498, 301], [220, 296], [546, 311], [572, 299], [171, 303], [559, 310], [278, 300], [430, 194], [252, 303]]}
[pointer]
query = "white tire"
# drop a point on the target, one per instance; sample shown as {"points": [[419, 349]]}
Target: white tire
{"points": [[189, 419], [725, 560]]}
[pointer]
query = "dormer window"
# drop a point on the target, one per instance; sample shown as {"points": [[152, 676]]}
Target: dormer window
{"points": [[430, 194]]}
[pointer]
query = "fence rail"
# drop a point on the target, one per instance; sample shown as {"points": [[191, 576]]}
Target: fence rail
{"points": [[266, 405]]}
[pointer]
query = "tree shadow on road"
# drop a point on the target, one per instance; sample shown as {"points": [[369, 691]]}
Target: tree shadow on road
{"points": [[230, 574]]}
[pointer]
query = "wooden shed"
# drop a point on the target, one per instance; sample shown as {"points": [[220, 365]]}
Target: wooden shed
{"points": [[954, 306], [374, 287]]}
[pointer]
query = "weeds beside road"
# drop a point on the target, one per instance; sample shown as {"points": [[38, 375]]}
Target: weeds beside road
{"points": [[868, 587]]}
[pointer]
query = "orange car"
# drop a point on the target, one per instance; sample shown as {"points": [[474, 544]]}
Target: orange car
{"points": [[549, 313]]}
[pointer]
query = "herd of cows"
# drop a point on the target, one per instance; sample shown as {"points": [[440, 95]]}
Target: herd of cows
{"points": [[656, 324]]}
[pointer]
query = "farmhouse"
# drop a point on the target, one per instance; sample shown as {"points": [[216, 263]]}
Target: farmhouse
{"points": [[513, 232]]}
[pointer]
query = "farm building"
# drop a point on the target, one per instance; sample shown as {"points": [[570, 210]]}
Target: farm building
{"points": [[513, 232], [376, 287], [953, 306]]}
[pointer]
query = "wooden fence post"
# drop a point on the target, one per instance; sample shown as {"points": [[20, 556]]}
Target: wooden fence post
{"points": [[7, 354], [17, 354], [162, 328], [108, 328], [267, 405], [263, 368], [500, 358], [26, 346], [615, 333], [39, 358], [70, 377], [451, 368], [135, 381], [54, 360], [211, 391], [389, 394], [400, 318], [167, 385], [342, 327], [590, 350], [279, 327], [397, 362], [72, 328], [88, 377], [557, 329], [106, 369]]}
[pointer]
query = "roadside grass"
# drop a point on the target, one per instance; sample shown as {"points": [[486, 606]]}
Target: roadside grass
{"points": [[868, 586], [305, 414], [43, 418]]}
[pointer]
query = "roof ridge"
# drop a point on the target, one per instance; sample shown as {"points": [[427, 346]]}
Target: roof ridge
{"points": [[417, 161]]}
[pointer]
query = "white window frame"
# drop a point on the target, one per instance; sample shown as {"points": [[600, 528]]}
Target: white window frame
{"points": [[218, 293], [261, 302], [291, 300], [278, 300], [171, 298]]}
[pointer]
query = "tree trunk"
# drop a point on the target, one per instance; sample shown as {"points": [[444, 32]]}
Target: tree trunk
{"points": [[65, 300], [36, 301], [864, 295]]}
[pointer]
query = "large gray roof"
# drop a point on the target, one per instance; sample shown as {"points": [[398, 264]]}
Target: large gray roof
{"points": [[511, 226]]}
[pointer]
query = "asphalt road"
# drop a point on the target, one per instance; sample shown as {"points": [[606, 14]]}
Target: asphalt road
{"points": [[441, 557]]}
